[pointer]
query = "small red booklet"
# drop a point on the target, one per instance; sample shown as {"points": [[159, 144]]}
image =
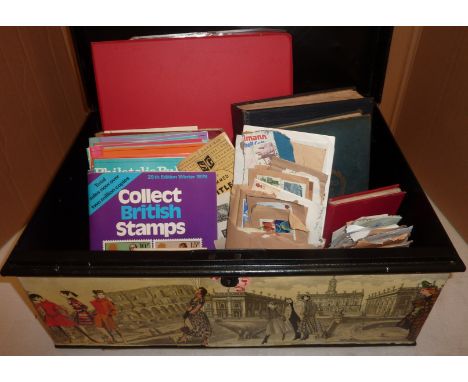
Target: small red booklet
{"points": [[165, 81], [345, 208]]}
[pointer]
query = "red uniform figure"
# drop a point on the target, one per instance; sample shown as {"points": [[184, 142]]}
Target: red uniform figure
{"points": [[105, 310], [51, 313], [104, 315]]}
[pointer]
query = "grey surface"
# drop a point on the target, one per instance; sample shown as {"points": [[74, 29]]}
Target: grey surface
{"points": [[445, 331]]}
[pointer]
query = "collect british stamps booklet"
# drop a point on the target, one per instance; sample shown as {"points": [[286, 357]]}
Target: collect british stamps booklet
{"points": [[152, 210]]}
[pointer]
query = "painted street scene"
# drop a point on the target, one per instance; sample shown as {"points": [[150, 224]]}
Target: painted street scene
{"points": [[263, 311]]}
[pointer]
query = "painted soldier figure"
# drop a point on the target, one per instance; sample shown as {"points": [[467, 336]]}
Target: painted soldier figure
{"points": [[422, 306], [80, 311], [81, 316], [104, 316]]}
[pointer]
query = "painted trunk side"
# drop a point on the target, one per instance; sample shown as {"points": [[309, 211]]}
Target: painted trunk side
{"points": [[259, 311]]}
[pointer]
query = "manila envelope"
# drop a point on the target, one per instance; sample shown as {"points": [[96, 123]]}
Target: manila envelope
{"points": [[284, 164], [281, 164], [309, 156], [259, 212], [238, 237], [237, 212], [263, 212], [297, 213], [267, 171]]}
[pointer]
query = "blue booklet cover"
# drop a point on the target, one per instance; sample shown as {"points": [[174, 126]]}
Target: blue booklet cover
{"points": [[136, 164]]}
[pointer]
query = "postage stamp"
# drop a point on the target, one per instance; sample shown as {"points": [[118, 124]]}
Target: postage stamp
{"points": [[128, 245], [176, 244], [275, 225], [298, 189]]}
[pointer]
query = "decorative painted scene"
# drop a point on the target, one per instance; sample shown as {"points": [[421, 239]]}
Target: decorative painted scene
{"points": [[261, 311]]}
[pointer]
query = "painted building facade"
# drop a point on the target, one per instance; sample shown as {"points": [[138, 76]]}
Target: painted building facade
{"points": [[332, 302]]}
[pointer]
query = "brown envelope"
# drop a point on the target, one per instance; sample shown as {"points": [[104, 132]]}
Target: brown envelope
{"points": [[267, 171], [281, 164], [300, 234], [259, 212], [244, 190], [309, 156], [262, 212], [299, 211], [240, 238], [284, 164]]}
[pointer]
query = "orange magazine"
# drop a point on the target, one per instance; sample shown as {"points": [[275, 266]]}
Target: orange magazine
{"points": [[144, 152]]}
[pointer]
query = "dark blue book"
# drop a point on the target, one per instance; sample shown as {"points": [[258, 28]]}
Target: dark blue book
{"points": [[299, 107]]}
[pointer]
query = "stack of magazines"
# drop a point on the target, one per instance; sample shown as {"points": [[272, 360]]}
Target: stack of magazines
{"points": [[144, 189]]}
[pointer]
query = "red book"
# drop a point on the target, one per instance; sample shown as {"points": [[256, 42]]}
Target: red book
{"points": [[345, 208], [160, 82]]}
